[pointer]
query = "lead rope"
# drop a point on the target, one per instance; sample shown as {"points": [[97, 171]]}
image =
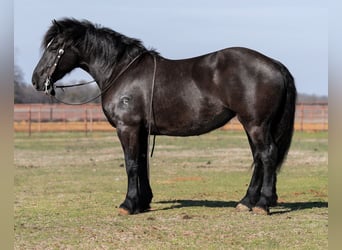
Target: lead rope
{"points": [[151, 115], [101, 91]]}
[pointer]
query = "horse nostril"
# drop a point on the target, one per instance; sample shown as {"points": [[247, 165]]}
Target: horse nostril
{"points": [[35, 81]]}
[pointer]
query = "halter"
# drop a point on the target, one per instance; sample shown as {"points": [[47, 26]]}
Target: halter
{"points": [[106, 88], [47, 83]]}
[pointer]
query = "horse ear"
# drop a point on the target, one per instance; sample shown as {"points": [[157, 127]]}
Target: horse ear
{"points": [[59, 27]]}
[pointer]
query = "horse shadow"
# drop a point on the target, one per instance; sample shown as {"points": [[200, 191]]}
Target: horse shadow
{"points": [[286, 207], [281, 208]]}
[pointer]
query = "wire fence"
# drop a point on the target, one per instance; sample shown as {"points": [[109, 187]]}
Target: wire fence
{"points": [[33, 118]]}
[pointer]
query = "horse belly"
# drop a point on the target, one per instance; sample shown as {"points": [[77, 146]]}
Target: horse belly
{"points": [[187, 122]]}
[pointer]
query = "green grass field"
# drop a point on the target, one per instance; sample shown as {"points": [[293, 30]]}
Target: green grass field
{"points": [[68, 188]]}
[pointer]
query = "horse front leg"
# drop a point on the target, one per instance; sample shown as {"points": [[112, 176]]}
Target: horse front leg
{"points": [[139, 194], [143, 173]]}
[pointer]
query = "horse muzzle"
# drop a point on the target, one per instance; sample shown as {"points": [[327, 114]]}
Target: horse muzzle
{"points": [[47, 86]]}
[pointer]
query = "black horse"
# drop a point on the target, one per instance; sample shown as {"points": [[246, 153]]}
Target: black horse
{"points": [[144, 93]]}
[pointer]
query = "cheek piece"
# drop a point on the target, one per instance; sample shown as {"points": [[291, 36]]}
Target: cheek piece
{"points": [[47, 83]]}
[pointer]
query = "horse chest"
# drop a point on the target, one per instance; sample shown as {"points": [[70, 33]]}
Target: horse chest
{"points": [[123, 109]]}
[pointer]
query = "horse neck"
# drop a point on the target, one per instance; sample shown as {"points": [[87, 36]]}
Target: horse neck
{"points": [[105, 68]]}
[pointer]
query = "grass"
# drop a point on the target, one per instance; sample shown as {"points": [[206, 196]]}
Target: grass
{"points": [[68, 187]]}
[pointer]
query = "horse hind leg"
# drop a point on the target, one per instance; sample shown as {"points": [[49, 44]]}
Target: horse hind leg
{"points": [[261, 193], [268, 194], [253, 192]]}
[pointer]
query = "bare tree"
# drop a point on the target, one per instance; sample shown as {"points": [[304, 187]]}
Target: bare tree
{"points": [[25, 93]]}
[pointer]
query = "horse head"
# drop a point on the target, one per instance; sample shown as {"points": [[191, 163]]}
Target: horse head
{"points": [[60, 56]]}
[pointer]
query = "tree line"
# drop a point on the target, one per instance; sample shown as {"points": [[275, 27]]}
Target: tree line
{"points": [[25, 93]]}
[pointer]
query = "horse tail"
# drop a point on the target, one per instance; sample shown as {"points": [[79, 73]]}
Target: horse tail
{"points": [[284, 123]]}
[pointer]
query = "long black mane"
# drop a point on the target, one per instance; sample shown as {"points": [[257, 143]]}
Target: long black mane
{"points": [[106, 43]]}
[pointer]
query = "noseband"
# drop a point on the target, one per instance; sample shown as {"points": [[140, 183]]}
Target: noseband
{"points": [[47, 83]]}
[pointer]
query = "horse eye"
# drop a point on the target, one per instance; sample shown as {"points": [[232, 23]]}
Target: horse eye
{"points": [[52, 48]]}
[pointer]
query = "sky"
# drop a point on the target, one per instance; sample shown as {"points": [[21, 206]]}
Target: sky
{"points": [[293, 32]]}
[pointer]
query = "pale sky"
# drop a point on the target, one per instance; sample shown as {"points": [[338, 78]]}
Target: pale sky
{"points": [[293, 32]]}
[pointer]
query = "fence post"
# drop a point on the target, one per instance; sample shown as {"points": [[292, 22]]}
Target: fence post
{"points": [[29, 120], [91, 120], [326, 118], [39, 118], [64, 119], [302, 117], [50, 114], [86, 120]]}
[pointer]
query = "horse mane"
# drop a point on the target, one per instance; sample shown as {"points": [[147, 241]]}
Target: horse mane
{"points": [[106, 43]]}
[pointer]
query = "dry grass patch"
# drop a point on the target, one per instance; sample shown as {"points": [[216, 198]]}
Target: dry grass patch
{"points": [[68, 188]]}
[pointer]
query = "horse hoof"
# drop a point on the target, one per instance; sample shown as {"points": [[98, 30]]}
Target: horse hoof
{"points": [[260, 211], [123, 211], [242, 208]]}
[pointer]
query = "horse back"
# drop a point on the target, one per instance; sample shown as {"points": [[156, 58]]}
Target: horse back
{"points": [[205, 92], [196, 95]]}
